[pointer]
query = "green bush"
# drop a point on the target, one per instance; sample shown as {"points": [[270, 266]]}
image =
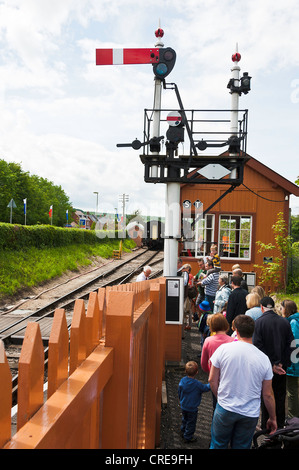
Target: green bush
{"points": [[39, 236], [293, 272]]}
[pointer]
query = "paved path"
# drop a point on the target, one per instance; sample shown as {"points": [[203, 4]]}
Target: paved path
{"points": [[171, 415]]}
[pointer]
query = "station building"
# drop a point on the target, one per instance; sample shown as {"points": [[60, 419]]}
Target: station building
{"points": [[240, 219]]}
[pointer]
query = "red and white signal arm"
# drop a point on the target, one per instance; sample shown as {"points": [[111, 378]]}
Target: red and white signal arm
{"points": [[174, 118], [127, 56]]}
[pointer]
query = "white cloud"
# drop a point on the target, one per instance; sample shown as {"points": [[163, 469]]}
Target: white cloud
{"points": [[62, 116]]}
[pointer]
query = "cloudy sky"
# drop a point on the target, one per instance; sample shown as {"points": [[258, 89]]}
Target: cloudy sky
{"points": [[62, 116]]}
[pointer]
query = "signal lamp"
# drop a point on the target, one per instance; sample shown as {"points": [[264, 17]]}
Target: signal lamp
{"points": [[165, 64], [245, 83], [175, 134]]}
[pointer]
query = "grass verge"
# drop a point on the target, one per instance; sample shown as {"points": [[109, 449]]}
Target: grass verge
{"points": [[32, 266], [280, 296]]}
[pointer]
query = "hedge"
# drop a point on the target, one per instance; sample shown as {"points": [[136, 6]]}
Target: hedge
{"points": [[39, 236]]}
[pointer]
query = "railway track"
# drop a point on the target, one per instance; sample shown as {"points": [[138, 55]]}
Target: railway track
{"points": [[13, 320]]}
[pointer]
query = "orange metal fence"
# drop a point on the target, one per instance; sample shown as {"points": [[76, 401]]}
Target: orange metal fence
{"points": [[104, 377]]}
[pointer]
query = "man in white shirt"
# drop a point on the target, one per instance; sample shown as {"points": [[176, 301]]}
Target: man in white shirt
{"points": [[239, 375], [145, 274]]}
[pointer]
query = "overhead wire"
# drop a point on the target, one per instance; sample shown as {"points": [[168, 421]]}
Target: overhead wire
{"points": [[259, 195]]}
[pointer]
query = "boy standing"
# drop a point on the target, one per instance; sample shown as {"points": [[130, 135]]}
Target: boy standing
{"points": [[190, 391], [215, 257]]}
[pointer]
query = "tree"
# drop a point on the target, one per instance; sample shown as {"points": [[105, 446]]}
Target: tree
{"points": [[295, 223], [275, 271], [40, 195]]}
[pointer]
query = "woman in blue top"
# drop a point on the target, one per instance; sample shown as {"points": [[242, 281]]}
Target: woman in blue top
{"points": [[290, 311], [253, 302]]}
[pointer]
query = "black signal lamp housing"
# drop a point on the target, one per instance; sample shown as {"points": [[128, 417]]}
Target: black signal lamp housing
{"points": [[165, 63], [245, 83], [244, 87]]}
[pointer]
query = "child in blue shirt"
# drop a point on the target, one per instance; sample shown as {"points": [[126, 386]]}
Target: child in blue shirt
{"points": [[190, 391]]}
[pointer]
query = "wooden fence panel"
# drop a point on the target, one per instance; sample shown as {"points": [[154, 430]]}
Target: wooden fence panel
{"points": [[58, 355], [62, 423], [112, 398], [92, 322], [115, 399], [5, 397], [138, 375], [161, 356], [102, 307], [153, 368], [31, 374], [78, 336]]}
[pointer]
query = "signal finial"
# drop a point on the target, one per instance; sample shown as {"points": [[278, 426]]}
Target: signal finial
{"points": [[236, 57], [159, 33]]}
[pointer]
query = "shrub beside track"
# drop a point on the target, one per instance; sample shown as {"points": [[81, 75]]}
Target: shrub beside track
{"points": [[38, 236], [30, 255]]}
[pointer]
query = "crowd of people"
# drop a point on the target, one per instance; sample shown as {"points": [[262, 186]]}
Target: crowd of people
{"points": [[249, 348]]}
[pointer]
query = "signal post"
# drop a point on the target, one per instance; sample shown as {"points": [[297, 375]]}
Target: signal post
{"points": [[162, 60], [195, 168]]}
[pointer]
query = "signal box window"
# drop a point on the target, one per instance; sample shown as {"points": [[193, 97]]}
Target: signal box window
{"points": [[235, 236], [198, 235]]}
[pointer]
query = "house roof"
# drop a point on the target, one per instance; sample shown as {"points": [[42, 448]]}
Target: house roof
{"points": [[259, 167], [287, 185]]}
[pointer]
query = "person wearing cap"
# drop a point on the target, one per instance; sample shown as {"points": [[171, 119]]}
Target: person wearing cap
{"points": [[273, 336], [204, 311]]}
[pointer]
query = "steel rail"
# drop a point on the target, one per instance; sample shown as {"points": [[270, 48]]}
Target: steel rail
{"points": [[116, 281], [53, 305]]}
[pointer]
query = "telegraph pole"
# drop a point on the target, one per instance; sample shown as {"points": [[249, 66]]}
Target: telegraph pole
{"points": [[123, 199], [97, 203]]}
